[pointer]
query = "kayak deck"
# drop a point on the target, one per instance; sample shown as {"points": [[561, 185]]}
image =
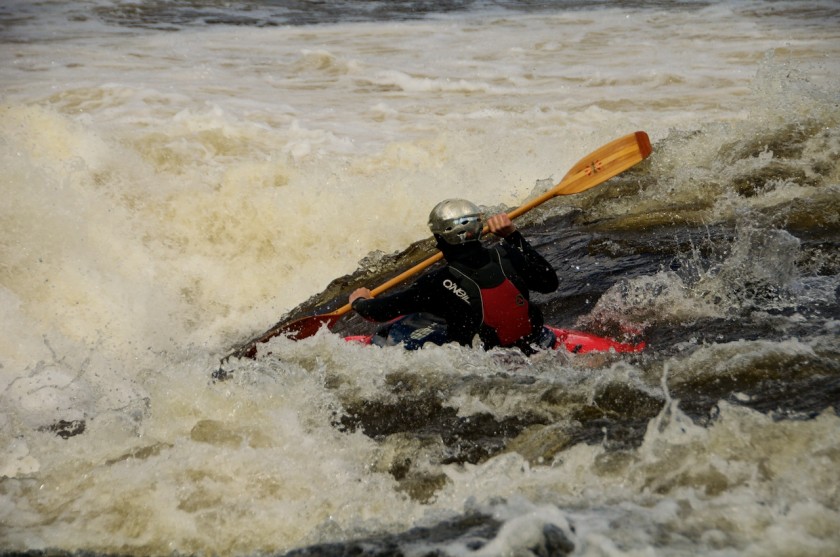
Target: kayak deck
{"points": [[576, 342]]}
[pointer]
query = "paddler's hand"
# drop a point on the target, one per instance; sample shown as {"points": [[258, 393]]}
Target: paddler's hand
{"points": [[501, 225], [363, 293]]}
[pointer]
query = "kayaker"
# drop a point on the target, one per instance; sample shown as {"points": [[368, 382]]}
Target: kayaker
{"points": [[482, 292]]}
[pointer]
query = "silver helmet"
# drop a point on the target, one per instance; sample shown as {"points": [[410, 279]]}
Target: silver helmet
{"points": [[456, 221]]}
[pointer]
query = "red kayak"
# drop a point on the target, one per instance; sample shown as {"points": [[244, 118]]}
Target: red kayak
{"points": [[413, 332]]}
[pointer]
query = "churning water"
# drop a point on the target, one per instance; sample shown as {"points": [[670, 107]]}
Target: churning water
{"points": [[177, 176]]}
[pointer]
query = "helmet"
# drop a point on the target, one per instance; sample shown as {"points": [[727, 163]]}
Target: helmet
{"points": [[456, 221]]}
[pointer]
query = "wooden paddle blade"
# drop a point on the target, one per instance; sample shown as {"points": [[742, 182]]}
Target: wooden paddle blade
{"points": [[605, 162], [595, 168], [306, 327], [296, 330]]}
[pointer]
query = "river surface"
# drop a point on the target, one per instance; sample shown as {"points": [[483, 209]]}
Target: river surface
{"points": [[179, 176]]}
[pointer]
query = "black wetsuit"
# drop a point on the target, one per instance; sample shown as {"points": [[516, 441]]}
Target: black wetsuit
{"points": [[482, 291]]}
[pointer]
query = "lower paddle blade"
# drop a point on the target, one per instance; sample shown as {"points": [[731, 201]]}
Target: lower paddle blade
{"points": [[296, 330], [307, 326]]}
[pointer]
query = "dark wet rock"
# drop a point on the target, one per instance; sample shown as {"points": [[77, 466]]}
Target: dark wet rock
{"points": [[757, 182], [804, 398], [539, 444], [785, 143], [473, 531], [554, 543], [469, 439], [66, 428]]}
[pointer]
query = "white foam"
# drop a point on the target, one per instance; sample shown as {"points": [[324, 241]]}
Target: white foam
{"points": [[167, 194]]}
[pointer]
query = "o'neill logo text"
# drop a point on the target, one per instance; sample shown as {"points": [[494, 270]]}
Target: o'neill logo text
{"points": [[455, 289]]}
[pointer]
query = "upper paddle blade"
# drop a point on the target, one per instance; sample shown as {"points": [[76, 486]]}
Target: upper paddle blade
{"points": [[605, 162], [595, 168]]}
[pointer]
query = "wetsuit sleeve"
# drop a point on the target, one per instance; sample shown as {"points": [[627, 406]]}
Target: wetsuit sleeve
{"points": [[534, 269], [384, 308]]}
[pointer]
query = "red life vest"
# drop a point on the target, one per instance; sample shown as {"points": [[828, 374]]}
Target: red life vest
{"points": [[506, 312], [504, 309]]}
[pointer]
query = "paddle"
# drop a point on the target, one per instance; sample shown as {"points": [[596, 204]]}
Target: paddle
{"points": [[593, 169]]}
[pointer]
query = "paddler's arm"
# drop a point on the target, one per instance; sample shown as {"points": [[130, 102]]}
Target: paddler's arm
{"points": [[382, 308], [536, 270]]}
